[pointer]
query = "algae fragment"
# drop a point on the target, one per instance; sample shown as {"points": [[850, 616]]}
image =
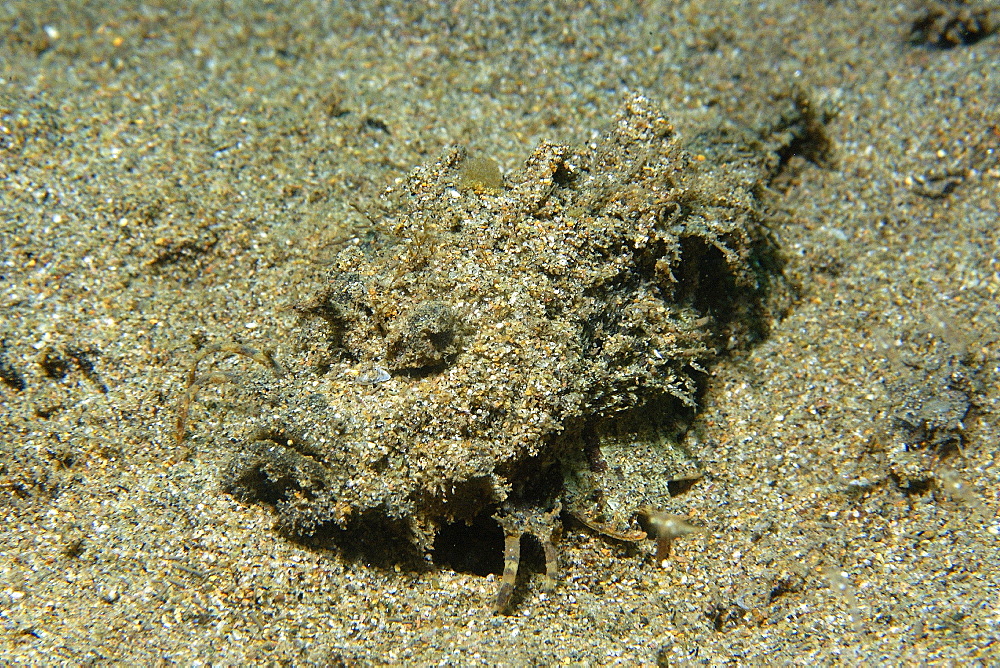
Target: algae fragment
{"points": [[479, 172]]}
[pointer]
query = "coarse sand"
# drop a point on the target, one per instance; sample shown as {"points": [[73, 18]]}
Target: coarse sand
{"points": [[172, 177]]}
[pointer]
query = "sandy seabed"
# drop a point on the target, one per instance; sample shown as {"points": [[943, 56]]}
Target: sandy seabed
{"points": [[176, 177]]}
